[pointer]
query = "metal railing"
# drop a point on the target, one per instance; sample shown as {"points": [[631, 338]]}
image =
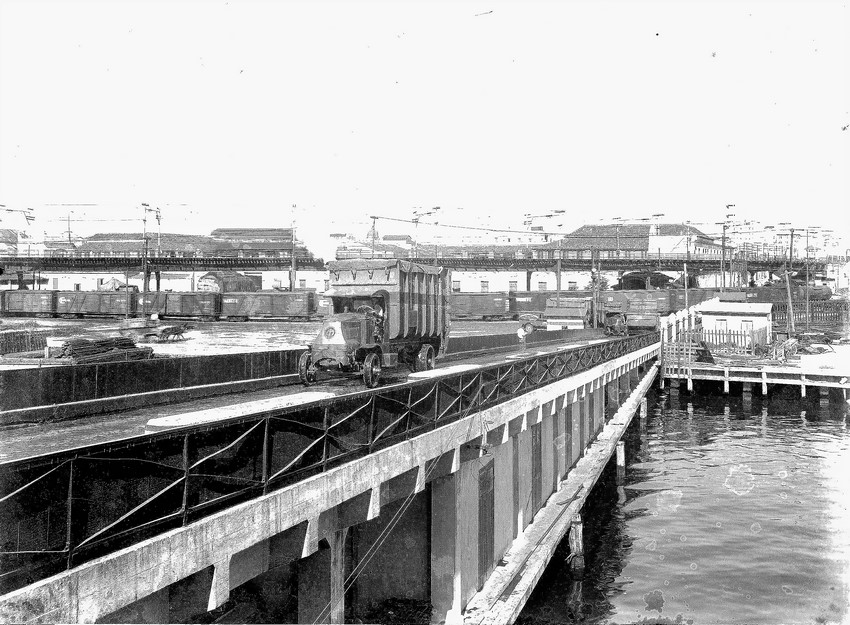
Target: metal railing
{"points": [[62, 509]]}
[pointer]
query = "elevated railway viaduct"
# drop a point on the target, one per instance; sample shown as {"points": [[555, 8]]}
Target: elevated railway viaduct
{"points": [[451, 488]]}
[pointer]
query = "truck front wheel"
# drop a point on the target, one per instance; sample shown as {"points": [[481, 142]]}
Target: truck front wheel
{"points": [[306, 370], [371, 370]]}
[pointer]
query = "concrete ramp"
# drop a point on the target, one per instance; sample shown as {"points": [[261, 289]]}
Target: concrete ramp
{"points": [[210, 415], [435, 373]]}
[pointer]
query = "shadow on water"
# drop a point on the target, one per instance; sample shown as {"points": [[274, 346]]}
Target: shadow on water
{"points": [[730, 511]]}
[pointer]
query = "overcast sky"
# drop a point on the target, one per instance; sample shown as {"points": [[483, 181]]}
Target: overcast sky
{"points": [[228, 113]]}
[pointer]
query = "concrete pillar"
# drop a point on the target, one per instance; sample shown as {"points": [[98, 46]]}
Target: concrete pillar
{"points": [[599, 410], [445, 583], [547, 452], [522, 480], [613, 391], [562, 443], [337, 576], [634, 379], [454, 542], [400, 566], [503, 474], [644, 408], [824, 396], [575, 432], [320, 582]]}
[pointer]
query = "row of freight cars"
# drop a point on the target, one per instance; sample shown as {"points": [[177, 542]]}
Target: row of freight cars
{"points": [[299, 305], [204, 305], [515, 304]]}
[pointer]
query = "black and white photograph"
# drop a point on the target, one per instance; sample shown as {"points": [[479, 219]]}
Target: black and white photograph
{"points": [[425, 312]]}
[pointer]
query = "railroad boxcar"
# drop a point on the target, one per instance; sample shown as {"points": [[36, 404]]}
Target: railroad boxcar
{"points": [[150, 303], [25, 302], [527, 303], [197, 305], [95, 303], [269, 305], [488, 306]]}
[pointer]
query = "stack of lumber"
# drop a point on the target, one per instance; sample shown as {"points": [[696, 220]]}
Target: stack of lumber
{"points": [[119, 348]]}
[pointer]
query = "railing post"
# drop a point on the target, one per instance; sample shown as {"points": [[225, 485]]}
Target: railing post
{"points": [[185, 479], [326, 426], [70, 507], [266, 455]]}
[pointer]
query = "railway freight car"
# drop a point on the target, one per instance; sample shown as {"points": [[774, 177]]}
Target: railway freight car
{"points": [[488, 306], [30, 303], [95, 303], [197, 305], [286, 305], [151, 303]]}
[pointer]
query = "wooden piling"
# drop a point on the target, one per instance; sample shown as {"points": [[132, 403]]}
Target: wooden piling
{"points": [[576, 541], [621, 462]]}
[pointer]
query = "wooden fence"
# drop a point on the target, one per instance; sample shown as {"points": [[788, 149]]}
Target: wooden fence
{"points": [[729, 342], [819, 310]]}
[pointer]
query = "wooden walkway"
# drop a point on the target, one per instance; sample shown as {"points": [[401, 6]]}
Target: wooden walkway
{"points": [[824, 371]]}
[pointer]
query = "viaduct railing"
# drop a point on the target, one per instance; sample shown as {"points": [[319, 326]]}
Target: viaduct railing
{"points": [[62, 509]]}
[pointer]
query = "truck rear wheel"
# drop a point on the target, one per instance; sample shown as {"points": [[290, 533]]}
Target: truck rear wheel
{"points": [[371, 370], [425, 358], [306, 371]]}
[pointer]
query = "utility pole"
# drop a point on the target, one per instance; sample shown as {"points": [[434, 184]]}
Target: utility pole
{"points": [[807, 279], [292, 266], [145, 208]]}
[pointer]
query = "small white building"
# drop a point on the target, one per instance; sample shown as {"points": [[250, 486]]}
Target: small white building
{"points": [[744, 317]]}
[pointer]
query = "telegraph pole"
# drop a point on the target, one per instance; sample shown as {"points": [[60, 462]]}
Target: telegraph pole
{"points": [[293, 267]]}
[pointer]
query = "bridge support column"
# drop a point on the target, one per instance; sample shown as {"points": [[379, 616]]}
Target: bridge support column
{"points": [[625, 387], [824, 396], [454, 542], [522, 481], [503, 476], [598, 410], [157, 277], [634, 379], [320, 582], [574, 427], [747, 395], [613, 391]]}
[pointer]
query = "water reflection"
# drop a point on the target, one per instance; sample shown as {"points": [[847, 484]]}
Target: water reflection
{"points": [[731, 511]]}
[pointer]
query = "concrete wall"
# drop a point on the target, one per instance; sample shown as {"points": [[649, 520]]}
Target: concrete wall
{"points": [[310, 523]]}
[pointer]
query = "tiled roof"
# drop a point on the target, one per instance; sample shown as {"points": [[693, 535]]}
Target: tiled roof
{"points": [[253, 234], [620, 236]]}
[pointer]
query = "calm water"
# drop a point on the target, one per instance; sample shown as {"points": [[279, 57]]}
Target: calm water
{"points": [[728, 514]]}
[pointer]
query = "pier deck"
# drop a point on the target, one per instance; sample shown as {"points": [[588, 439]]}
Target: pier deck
{"points": [[829, 370]]}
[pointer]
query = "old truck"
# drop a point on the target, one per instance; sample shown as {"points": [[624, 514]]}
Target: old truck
{"points": [[385, 313]]}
